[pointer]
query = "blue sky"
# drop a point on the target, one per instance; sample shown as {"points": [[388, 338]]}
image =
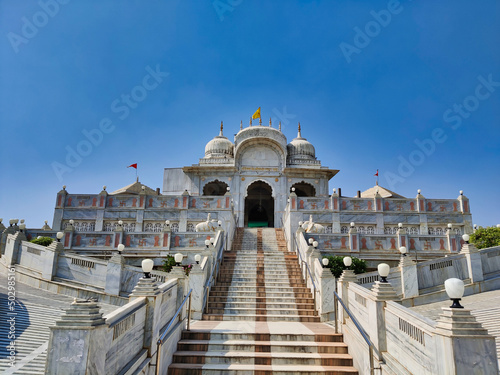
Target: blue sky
{"points": [[411, 88]]}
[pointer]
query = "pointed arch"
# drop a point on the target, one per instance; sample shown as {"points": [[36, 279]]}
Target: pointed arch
{"points": [[215, 187], [304, 189]]}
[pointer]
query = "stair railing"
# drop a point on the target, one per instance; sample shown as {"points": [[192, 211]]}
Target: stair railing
{"points": [[161, 340], [371, 347], [212, 280]]}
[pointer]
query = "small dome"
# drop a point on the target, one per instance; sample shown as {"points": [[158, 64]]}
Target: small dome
{"points": [[300, 148], [219, 147]]}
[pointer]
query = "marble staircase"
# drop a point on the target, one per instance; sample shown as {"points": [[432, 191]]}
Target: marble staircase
{"points": [[261, 318]]}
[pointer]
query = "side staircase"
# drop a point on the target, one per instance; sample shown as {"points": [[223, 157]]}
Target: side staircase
{"points": [[261, 318]]}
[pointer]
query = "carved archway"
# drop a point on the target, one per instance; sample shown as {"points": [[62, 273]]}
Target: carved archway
{"points": [[304, 189], [215, 188], [259, 205]]}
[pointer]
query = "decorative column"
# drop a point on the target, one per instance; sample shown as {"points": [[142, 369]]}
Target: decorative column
{"points": [[59, 209], [451, 239], [353, 239], [402, 236], [118, 234], [184, 206], [77, 342], [101, 207], [420, 200], [68, 234], [335, 205], [167, 231]]}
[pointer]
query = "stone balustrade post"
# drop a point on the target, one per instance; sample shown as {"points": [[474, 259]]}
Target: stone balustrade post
{"points": [[327, 300], [409, 277], [12, 246], [114, 271], [49, 269], [148, 288], [354, 240], [382, 292], [196, 282], [78, 341], [474, 263], [464, 346], [347, 277]]}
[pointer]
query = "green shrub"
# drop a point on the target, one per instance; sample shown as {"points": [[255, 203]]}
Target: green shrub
{"points": [[168, 263], [336, 265], [486, 237], [44, 241]]}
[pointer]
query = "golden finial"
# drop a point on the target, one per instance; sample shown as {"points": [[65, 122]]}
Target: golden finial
{"points": [[260, 121], [270, 123], [299, 135], [221, 127], [250, 121], [241, 125], [280, 126]]}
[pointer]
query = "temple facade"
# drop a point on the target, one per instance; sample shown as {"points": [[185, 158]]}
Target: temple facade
{"points": [[259, 179]]}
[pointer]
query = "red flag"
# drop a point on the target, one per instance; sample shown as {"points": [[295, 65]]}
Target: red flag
{"points": [[376, 174], [133, 166]]}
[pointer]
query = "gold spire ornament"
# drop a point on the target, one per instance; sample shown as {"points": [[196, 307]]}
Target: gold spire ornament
{"points": [[221, 127], [280, 126], [270, 123], [241, 125]]}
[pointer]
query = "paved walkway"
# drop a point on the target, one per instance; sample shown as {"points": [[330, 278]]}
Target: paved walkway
{"points": [[484, 306], [29, 320]]}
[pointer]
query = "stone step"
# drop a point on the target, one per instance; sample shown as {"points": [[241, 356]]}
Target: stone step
{"points": [[262, 318], [263, 346], [245, 300], [268, 310], [240, 369], [280, 358]]}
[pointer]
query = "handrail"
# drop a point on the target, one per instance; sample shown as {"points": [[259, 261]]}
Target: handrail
{"points": [[161, 340], [371, 347], [213, 272], [308, 270]]}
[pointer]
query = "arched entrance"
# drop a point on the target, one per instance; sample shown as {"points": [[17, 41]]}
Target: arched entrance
{"points": [[259, 205]]}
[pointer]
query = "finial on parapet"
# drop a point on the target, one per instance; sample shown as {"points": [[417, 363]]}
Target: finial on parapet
{"points": [[250, 121], [280, 126], [298, 134], [260, 121], [270, 123], [241, 125], [221, 127]]}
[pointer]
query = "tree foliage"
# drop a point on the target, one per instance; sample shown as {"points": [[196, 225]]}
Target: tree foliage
{"points": [[486, 237], [168, 263], [336, 265], [44, 241]]}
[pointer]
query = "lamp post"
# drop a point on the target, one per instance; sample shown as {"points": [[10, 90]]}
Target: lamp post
{"points": [[383, 271], [324, 261], [403, 250], [207, 243], [315, 244], [147, 267], [455, 290], [59, 235], [178, 259], [310, 241], [197, 258], [121, 247], [22, 227], [212, 240], [347, 262]]}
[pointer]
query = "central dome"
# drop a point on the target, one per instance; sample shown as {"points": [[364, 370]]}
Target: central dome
{"points": [[219, 147]]}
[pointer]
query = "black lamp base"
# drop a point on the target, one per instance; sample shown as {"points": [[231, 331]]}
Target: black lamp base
{"points": [[456, 304]]}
